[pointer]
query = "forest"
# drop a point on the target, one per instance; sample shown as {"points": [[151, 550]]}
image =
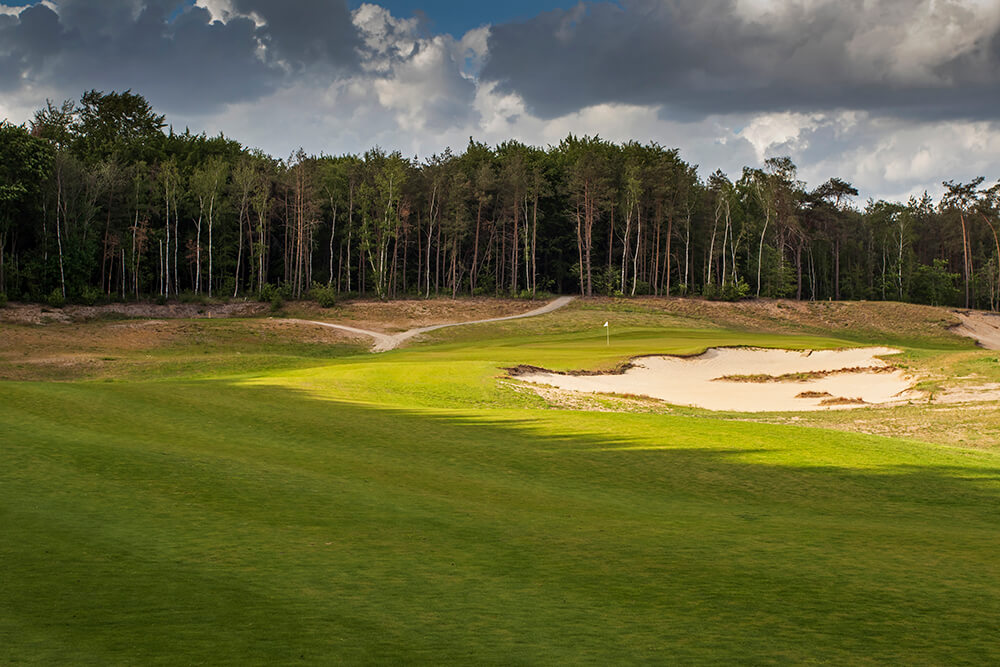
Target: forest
{"points": [[100, 200]]}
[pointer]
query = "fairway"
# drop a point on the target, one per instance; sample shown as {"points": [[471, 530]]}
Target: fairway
{"points": [[269, 501]]}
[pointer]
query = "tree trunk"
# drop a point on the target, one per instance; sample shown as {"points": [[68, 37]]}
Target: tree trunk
{"points": [[60, 206], [177, 280], [579, 248], [513, 254], [166, 258], [211, 212], [760, 249], [625, 247], [798, 271], [667, 258], [965, 257], [333, 230], [996, 241], [711, 248], [635, 256], [836, 269], [475, 251], [430, 238], [534, 247], [197, 251]]}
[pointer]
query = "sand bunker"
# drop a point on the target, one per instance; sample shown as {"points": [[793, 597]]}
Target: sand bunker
{"points": [[752, 380]]}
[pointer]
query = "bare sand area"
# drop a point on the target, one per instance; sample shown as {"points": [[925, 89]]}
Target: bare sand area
{"points": [[752, 379], [983, 327]]}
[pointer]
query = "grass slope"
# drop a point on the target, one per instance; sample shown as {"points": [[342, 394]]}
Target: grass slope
{"points": [[409, 508]]}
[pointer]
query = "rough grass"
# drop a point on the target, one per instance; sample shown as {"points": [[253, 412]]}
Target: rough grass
{"points": [[410, 507]]}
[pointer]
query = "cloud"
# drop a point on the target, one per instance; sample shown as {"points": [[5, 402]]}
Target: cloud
{"points": [[411, 93], [918, 58], [895, 158], [204, 56], [840, 88]]}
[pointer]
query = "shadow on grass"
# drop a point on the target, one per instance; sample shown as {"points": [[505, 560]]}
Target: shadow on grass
{"points": [[207, 522]]}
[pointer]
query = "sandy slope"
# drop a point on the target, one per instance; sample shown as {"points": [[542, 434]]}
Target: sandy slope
{"points": [[697, 382], [983, 327]]}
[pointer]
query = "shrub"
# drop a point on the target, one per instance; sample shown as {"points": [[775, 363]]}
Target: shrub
{"points": [[730, 291], [735, 291], [89, 295], [274, 295], [161, 300], [187, 296], [3, 299], [56, 298], [325, 296]]}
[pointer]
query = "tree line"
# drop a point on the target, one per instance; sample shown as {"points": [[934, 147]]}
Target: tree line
{"points": [[99, 200]]}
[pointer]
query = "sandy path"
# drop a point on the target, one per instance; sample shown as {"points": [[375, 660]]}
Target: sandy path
{"points": [[386, 342], [839, 379], [983, 327]]}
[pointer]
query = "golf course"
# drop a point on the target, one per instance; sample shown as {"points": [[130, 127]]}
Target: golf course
{"points": [[262, 489]]}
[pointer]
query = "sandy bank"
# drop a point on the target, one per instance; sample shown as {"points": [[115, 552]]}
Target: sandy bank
{"points": [[782, 380], [983, 327]]}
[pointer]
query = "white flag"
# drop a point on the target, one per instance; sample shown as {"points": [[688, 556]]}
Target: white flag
{"points": [[605, 324]]}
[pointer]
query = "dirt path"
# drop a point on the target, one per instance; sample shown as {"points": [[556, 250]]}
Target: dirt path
{"points": [[386, 342], [983, 327]]}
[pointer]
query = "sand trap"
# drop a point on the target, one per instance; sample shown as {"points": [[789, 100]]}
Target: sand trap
{"points": [[838, 379]]}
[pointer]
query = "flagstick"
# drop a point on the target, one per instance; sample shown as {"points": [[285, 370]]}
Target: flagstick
{"points": [[609, 333]]}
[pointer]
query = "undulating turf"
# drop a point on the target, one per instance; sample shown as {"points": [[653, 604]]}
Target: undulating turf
{"points": [[409, 507]]}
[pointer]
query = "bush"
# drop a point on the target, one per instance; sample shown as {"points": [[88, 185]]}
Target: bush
{"points": [[325, 296], [268, 292], [605, 280], [486, 285], [187, 296], [3, 299], [56, 298], [272, 294], [728, 292], [735, 291], [90, 295], [161, 300]]}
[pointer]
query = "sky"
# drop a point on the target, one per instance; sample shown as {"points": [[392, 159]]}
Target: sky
{"points": [[894, 96]]}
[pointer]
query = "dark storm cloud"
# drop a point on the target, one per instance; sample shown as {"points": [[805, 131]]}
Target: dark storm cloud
{"points": [[25, 42], [306, 32], [708, 56], [180, 59]]}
